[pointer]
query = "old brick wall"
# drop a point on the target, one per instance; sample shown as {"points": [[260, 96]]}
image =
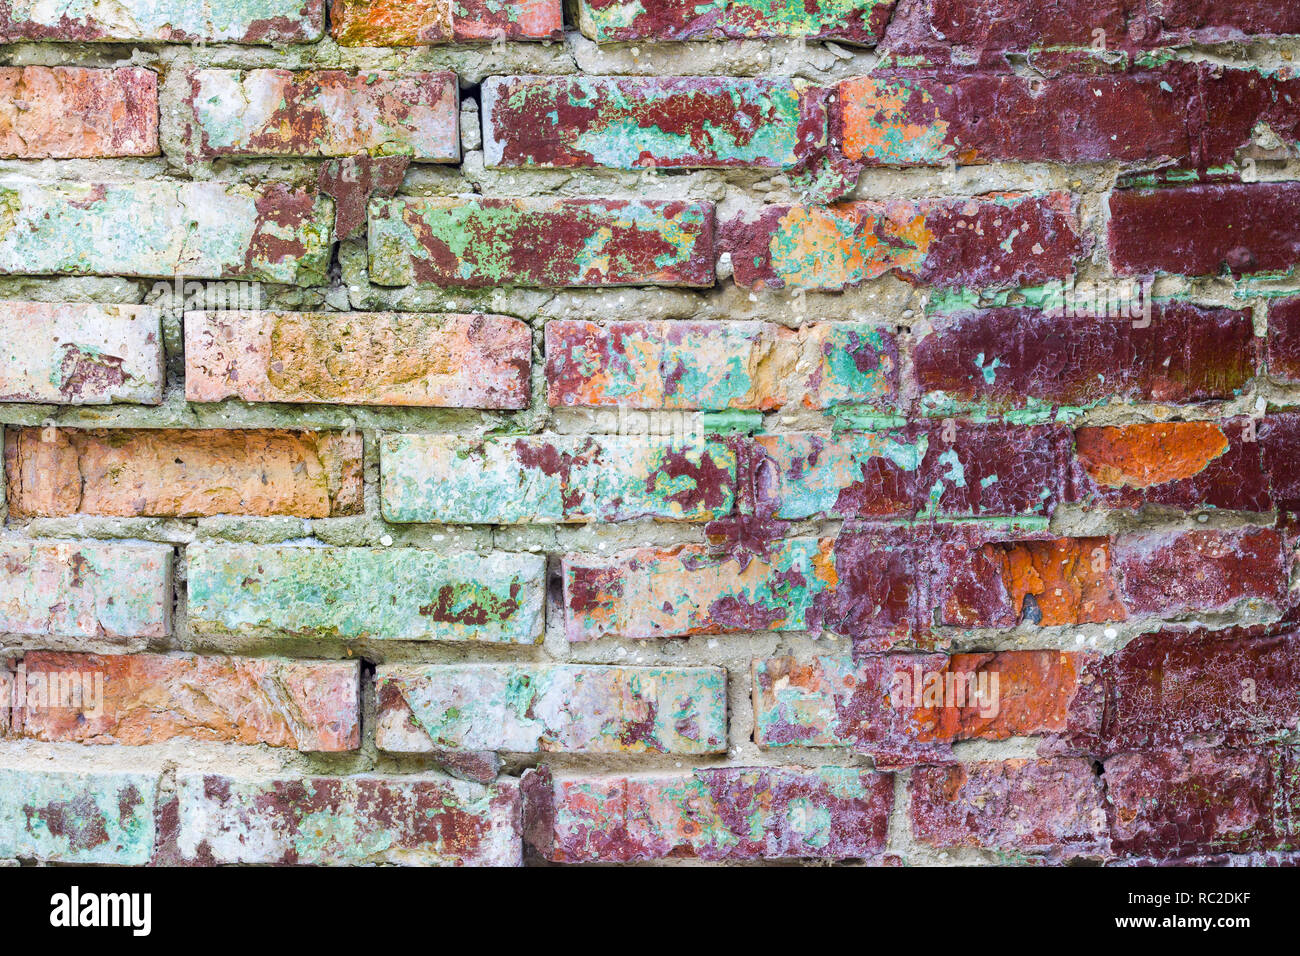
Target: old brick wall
{"points": [[488, 433]]}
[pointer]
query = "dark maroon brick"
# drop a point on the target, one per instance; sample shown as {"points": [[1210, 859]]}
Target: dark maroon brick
{"points": [[994, 470], [1205, 230], [1279, 439], [1172, 803], [1284, 340], [1175, 687], [1186, 354], [1188, 465], [1051, 807], [993, 28], [1179, 572]]}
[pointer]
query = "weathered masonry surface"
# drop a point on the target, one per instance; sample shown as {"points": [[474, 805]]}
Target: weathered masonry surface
{"points": [[518, 433]]}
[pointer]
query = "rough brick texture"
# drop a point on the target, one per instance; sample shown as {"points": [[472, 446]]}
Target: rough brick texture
{"points": [[864, 431]]}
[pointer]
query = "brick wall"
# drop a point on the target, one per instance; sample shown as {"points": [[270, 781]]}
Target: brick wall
{"points": [[494, 433]]}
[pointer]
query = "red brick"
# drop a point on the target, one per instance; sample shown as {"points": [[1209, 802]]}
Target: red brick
{"points": [[358, 358], [1175, 687], [717, 365], [149, 698], [1179, 572], [1284, 340], [1279, 439], [904, 709], [252, 113], [548, 243], [344, 821], [957, 469], [1187, 465], [633, 122], [1205, 230], [421, 22], [182, 473], [1006, 240], [1178, 803], [67, 112], [716, 814], [1001, 359], [991, 27], [860, 23], [265, 22], [1053, 807]]}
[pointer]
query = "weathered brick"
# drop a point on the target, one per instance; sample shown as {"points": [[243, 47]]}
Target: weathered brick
{"points": [[485, 243], [354, 593], [1176, 573], [233, 21], [1014, 807], [914, 118], [650, 592], [358, 358], [911, 708], [1185, 465], [148, 698], [450, 479], [715, 814], [1206, 229], [321, 113], [1284, 340], [859, 22], [634, 122], [63, 817], [351, 821], [998, 360], [1279, 441], [719, 365], [967, 469], [202, 230], [1001, 26], [551, 708], [1174, 686], [81, 354], [421, 22], [68, 112], [182, 472], [1181, 802], [1008, 240], [85, 589]]}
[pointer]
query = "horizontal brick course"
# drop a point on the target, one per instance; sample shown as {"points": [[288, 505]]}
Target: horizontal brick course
{"points": [[321, 113], [1014, 807], [148, 698], [80, 354], [715, 814], [627, 20], [365, 819], [551, 708], [644, 122], [1205, 230], [947, 243], [402, 594], [85, 589], [358, 358], [201, 230], [68, 112], [476, 243], [57, 816], [182, 472], [420, 22], [453, 480], [718, 365], [236, 21]]}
